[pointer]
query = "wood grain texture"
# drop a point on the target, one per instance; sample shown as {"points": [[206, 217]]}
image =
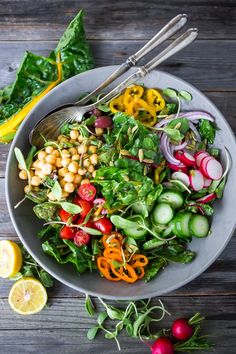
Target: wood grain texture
{"points": [[210, 65], [62, 328], [46, 20]]}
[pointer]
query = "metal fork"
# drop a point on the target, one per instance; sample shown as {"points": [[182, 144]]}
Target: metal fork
{"points": [[50, 126]]}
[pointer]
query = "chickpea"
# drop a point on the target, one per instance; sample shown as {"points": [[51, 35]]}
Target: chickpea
{"points": [[42, 155], [94, 159], [40, 164], [36, 189], [51, 196], [94, 174], [86, 163], [69, 187], [65, 161], [92, 137], [74, 134], [23, 174], [99, 131], [80, 138], [62, 172], [51, 159], [73, 167], [77, 179], [91, 168], [56, 153], [58, 162], [49, 149], [27, 189], [69, 177], [73, 151], [92, 149], [41, 174], [65, 194], [37, 172], [82, 149], [36, 163], [47, 168], [64, 139], [65, 153], [82, 171], [76, 157], [60, 137], [85, 181], [62, 183], [35, 181], [74, 142]]}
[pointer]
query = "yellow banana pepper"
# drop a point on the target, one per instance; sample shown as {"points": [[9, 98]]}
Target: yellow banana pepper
{"points": [[155, 99], [10, 126], [117, 105], [131, 93]]}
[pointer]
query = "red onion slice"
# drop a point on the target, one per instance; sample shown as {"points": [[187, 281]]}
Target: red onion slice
{"points": [[180, 147], [195, 131], [193, 116]]}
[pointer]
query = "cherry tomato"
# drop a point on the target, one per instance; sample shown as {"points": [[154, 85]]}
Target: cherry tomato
{"points": [[67, 233], [80, 221], [81, 238], [85, 206], [87, 192], [65, 216], [104, 225]]}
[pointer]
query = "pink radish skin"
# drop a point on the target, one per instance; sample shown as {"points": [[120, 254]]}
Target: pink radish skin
{"points": [[207, 198], [162, 345], [207, 182], [203, 165], [214, 169], [196, 180], [185, 158], [201, 155], [181, 329], [181, 176], [177, 167]]}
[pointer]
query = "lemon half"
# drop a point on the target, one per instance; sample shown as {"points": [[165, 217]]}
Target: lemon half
{"points": [[27, 296], [10, 258]]}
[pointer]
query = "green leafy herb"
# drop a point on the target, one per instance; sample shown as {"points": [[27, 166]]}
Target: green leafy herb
{"points": [[153, 268], [39, 196], [45, 211], [56, 190], [20, 158], [169, 93], [70, 207], [185, 95], [30, 156], [207, 130], [89, 306]]}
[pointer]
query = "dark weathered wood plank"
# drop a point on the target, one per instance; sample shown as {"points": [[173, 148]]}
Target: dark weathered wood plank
{"points": [[25, 19], [210, 65], [62, 327]]}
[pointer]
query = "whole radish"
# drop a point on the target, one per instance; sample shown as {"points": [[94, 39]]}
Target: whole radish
{"points": [[162, 345], [182, 329]]}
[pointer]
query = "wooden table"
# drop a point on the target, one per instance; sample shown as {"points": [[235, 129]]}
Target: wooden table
{"points": [[116, 29]]}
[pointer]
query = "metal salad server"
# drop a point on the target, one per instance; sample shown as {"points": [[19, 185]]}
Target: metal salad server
{"points": [[49, 127]]}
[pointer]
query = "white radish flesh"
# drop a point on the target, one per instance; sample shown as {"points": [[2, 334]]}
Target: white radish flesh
{"points": [[181, 176], [201, 155], [203, 165], [188, 159], [207, 182], [196, 180], [214, 169]]}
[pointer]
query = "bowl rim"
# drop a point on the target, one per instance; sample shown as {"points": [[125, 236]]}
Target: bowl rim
{"points": [[81, 288]]}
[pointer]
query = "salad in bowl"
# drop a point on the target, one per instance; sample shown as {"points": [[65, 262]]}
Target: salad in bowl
{"points": [[124, 192]]}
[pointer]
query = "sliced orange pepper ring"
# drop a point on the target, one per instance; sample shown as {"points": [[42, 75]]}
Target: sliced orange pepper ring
{"points": [[113, 254], [105, 268], [140, 272], [139, 260]]}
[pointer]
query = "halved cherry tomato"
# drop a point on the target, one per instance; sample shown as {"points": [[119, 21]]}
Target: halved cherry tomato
{"points": [[65, 216], [104, 225], [87, 192], [85, 206], [67, 233], [80, 221], [81, 238]]}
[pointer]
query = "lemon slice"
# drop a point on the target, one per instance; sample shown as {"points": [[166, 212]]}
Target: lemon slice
{"points": [[10, 258], [27, 296]]}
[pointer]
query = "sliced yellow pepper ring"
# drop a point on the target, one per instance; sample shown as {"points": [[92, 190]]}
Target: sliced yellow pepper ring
{"points": [[117, 105], [155, 99], [132, 109], [131, 93]]}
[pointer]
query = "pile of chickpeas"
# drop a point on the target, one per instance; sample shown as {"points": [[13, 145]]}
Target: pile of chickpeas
{"points": [[72, 165]]}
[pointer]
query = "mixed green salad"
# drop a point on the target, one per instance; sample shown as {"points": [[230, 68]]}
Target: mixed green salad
{"points": [[125, 191]]}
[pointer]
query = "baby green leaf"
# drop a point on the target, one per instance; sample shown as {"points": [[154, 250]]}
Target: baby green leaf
{"points": [[45, 279], [20, 158], [56, 190], [101, 317], [185, 95], [89, 306], [169, 92], [122, 223], [70, 207], [173, 134], [92, 332], [30, 156], [90, 231]]}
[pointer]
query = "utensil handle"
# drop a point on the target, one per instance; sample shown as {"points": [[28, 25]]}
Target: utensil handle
{"points": [[166, 32], [181, 42]]}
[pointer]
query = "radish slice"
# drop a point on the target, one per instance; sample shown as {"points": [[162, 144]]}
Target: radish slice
{"points": [[185, 158], [181, 176], [196, 180], [214, 169], [207, 198], [199, 156], [180, 167], [207, 182], [203, 165]]}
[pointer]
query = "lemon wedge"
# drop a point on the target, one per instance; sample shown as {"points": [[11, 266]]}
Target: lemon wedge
{"points": [[27, 296], [10, 258]]}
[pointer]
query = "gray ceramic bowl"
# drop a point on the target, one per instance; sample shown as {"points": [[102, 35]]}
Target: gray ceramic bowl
{"points": [[175, 275]]}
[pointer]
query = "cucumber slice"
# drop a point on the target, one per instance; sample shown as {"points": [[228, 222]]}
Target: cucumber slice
{"points": [[199, 225], [141, 208], [162, 214], [158, 229], [181, 224], [153, 243], [136, 232], [174, 198], [169, 230]]}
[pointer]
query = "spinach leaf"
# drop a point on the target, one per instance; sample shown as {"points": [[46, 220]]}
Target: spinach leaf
{"points": [[183, 122], [45, 211], [38, 196], [175, 251], [153, 268], [207, 130]]}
